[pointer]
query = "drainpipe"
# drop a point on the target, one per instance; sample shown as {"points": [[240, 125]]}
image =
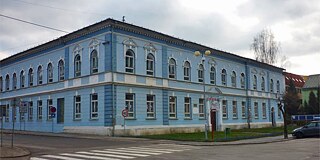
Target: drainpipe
{"points": [[112, 89]]}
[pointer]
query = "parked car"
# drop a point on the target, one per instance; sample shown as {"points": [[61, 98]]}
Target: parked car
{"points": [[311, 129]]}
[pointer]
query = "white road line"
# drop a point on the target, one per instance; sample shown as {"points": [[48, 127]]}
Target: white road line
{"points": [[61, 157], [124, 150], [145, 150], [160, 149], [87, 157], [121, 153], [36, 158], [176, 146], [106, 155]]}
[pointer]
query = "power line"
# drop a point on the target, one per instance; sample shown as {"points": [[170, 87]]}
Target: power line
{"points": [[39, 25]]}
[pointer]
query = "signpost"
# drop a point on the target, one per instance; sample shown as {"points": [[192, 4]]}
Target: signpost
{"points": [[53, 114], [125, 114]]}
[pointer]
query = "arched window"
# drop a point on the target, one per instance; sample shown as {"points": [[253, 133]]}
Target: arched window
{"points": [[186, 71], [61, 70], [1, 84], [172, 68], [150, 64], [94, 61], [30, 77], [22, 79], [50, 73], [271, 85], [224, 77], [234, 79], [263, 83], [7, 82], [212, 75], [243, 80], [129, 61], [40, 75], [14, 81], [77, 66], [255, 82], [278, 87], [200, 73]]}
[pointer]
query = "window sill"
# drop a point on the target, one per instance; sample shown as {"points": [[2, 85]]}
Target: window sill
{"points": [[173, 119], [234, 117], [187, 118], [151, 118], [130, 118], [94, 119], [77, 119], [224, 117]]}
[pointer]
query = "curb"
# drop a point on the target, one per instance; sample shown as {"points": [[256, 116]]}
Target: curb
{"points": [[26, 153], [237, 144]]}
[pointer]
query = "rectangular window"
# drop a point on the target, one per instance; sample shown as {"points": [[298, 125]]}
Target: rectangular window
{"points": [[224, 109], [7, 112], [264, 110], [243, 109], [172, 107], [279, 113], [94, 106], [130, 105], [201, 108], [150, 106], [234, 109], [187, 107], [256, 110], [77, 107], [30, 111], [39, 112], [50, 105]]}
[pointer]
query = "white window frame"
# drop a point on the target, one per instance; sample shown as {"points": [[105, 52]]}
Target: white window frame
{"points": [[14, 81], [172, 68], [94, 106], [263, 84], [150, 64], [255, 81], [264, 110], [201, 108], [77, 107], [256, 110], [39, 109], [224, 77], [94, 62], [187, 107], [7, 82], [130, 61], [30, 111], [77, 65], [7, 113], [50, 73], [40, 75], [225, 109], [234, 109], [61, 70], [243, 80], [200, 73], [172, 107], [186, 71], [234, 79], [22, 79], [50, 105], [271, 85], [130, 104], [243, 109], [151, 112], [30, 77], [213, 75]]}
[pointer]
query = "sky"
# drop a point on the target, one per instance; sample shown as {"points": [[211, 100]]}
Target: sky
{"points": [[227, 25]]}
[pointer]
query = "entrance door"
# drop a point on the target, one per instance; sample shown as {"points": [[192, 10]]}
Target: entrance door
{"points": [[213, 115], [272, 117], [60, 110]]}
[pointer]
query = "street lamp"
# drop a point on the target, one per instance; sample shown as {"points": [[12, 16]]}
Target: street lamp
{"points": [[203, 59], [283, 111], [249, 117]]}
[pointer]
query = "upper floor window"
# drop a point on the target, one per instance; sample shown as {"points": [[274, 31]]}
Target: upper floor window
{"points": [[129, 57], [22, 79], [212, 75], [243, 80], [278, 87], [30, 77], [263, 83], [77, 65], [224, 77], [150, 64], [40, 75], [271, 85], [50, 73], [14, 81], [1, 84], [172, 68], [61, 70], [94, 61], [200, 73], [255, 82], [7, 82], [186, 71], [234, 79]]}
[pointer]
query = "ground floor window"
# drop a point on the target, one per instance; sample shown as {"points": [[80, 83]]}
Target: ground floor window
{"points": [[256, 110], [224, 109], [30, 111], [234, 109], [7, 112], [187, 105], [201, 108], [243, 109], [130, 105], [94, 106], [264, 110], [172, 107], [150, 106], [77, 107], [50, 105], [39, 112]]}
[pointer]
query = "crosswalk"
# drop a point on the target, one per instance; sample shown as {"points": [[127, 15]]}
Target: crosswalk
{"points": [[119, 153]]}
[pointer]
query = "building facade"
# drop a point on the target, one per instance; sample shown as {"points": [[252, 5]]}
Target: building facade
{"points": [[312, 85], [298, 82], [93, 74]]}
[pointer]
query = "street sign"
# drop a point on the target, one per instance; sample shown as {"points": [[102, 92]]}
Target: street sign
{"points": [[53, 109], [125, 113]]}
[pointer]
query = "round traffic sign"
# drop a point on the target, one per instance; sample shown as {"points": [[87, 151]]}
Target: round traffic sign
{"points": [[125, 113], [53, 109]]}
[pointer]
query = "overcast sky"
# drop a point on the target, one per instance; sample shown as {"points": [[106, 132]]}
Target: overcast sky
{"points": [[228, 25]]}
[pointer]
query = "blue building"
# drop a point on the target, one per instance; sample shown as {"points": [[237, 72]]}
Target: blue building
{"points": [[164, 83]]}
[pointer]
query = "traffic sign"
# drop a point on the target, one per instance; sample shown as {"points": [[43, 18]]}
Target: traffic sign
{"points": [[125, 113], [53, 109]]}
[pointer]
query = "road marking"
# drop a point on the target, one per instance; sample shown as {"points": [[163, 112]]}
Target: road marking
{"points": [[35, 158], [160, 149], [129, 151], [145, 150], [61, 157], [121, 153], [88, 157], [106, 155]]}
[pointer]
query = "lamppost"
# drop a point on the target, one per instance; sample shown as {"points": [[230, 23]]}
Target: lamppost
{"points": [[283, 111], [203, 59], [249, 117]]}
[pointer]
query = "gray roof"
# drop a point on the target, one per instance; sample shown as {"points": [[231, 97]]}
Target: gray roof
{"points": [[313, 81]]}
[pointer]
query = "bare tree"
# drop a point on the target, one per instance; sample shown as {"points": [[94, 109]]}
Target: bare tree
{"points": [[265, 47]]}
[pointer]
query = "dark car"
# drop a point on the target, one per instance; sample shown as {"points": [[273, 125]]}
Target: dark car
{"points": [[309, 130]]}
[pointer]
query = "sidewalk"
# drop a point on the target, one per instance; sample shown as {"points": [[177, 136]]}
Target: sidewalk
{"points": [[15, 152]]}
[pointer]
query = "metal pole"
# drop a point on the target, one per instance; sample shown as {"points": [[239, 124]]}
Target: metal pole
{"points": [[205, 102], [52, 122], [124, 126], [1, 127], [13, 113]]}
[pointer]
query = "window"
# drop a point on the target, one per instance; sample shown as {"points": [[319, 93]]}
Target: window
{"points": [[201, 108], [61, 70], [186, 71], [243, 80], [187, 107], [150, 64], [7, 113], [39, 75], [150, 106], [50, 105], [30, 111], [7, 82], [50, 73], [234, 109], [39, 111], [94, 106], [14, 81], [172, 68], [77, 65], [254, 82], [224, 109], [243, 109], [263, 84], [1, 84], [271, 85], [224, 77], [278, 87], [94, 61], [256, 110], [172, 107], [200, 73], [264, 110], [130, 105], [234, 79], [30, 77], [279, 113], [77, 107], [22, 79], [212, 75], [129, 57]]}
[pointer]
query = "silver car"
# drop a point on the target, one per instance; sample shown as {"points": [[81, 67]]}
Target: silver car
{"points": [[309, 130]]}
